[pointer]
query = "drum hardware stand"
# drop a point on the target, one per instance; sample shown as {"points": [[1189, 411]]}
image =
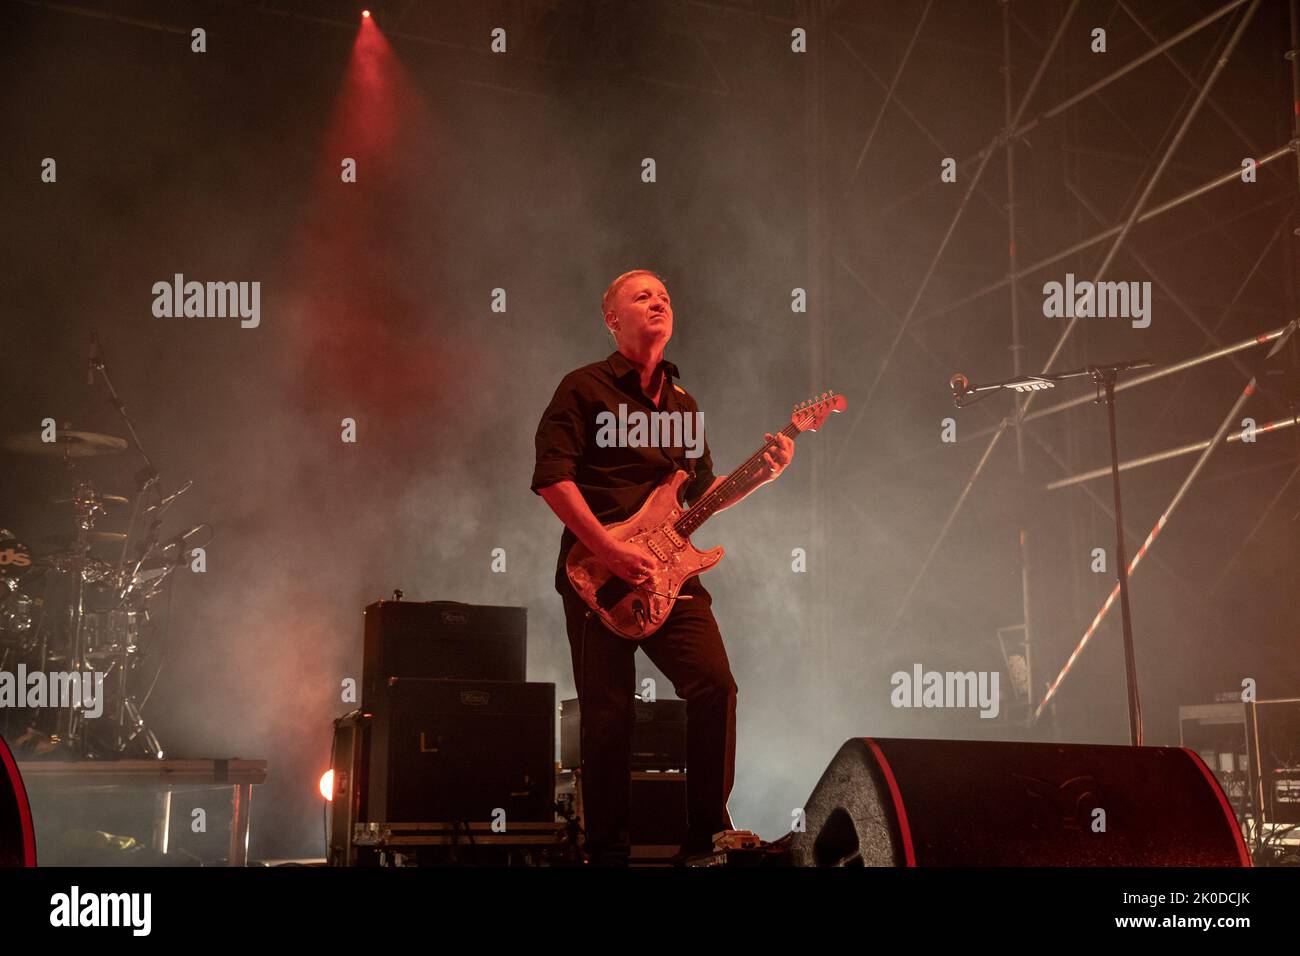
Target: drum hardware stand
{"points": [[71, 729], [146, 479], [147, 476]]}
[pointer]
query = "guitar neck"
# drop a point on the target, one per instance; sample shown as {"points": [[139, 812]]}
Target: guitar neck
{"points": [[742, 480]]}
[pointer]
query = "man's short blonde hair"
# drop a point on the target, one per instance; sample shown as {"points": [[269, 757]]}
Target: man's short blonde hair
{"points": [[607, 299]]}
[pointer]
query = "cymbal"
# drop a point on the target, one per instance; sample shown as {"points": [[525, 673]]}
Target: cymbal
{"points": [[66, 444], [102, 499]]}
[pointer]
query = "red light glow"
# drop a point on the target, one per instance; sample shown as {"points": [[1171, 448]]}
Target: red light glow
{"points": [[327, 785]]}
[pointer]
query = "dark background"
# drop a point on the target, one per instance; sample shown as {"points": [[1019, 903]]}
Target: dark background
{"points": [[522, 171]]}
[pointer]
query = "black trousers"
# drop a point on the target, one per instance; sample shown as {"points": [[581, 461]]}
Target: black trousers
{"points": [[688, 649]]}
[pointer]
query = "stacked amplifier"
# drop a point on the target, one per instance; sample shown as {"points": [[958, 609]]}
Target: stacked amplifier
{"points": [[657, 788], [1254, 750], [451, 753]]}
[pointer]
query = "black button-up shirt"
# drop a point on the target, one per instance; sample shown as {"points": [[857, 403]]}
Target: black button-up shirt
{"points": [[614, 481]]}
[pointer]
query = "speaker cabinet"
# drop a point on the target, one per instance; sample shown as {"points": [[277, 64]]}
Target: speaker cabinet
{"points": [[891, 802], [460, 751], [442, 640], [658, 734]]}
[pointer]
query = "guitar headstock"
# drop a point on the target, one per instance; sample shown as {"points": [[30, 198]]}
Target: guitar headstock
{"points": [[808, 417]]}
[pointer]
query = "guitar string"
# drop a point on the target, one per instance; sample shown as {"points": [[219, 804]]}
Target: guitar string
{"points": [[737, 476]]}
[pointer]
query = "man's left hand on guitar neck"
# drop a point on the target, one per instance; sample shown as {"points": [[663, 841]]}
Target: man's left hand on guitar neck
{"points": [[777, 458]]}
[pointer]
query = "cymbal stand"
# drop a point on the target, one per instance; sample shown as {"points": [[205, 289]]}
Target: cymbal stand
{"points": [[72, 726], [147, 479]]}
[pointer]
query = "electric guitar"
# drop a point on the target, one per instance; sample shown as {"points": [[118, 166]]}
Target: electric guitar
{"points": [[661, 530]]}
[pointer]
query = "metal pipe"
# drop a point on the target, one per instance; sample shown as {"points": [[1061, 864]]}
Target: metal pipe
{"points": [[865, 402], [1169, 453], [889, 93], [1219, 111], [943, 532], [911, 115], [1170, 369], [1151, 54], [1108, 510], [1263, 519], [908, 461], [1173, 145], [1100, 84], [817, 186], [1233, 175], [1211, 337]]}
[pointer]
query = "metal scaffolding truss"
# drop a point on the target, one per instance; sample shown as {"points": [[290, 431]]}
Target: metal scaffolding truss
{"points": [[1021, 116]]}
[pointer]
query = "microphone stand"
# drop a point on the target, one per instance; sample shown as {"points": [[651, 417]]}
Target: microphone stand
{"points": [[1104, 377]]}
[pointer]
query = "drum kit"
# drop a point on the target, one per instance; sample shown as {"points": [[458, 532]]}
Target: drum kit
{"points": [[82, 607]]}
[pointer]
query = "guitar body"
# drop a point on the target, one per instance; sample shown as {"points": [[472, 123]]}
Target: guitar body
{"points": [[637, 612]]}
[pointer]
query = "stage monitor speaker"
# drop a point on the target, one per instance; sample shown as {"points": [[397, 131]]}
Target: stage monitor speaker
{"points": [[891, 802], [17, 832]]}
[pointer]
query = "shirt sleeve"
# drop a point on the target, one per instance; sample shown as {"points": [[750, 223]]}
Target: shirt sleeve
{"points": [[561, 437]]}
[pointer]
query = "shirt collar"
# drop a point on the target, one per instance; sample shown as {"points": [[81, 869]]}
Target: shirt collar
{"points": [[622, 367]]}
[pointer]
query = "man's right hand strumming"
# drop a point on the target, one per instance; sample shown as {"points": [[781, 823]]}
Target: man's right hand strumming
{"points": [[569, 506], [625, 561]]}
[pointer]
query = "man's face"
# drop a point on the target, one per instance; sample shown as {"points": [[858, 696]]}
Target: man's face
{"points": [[643, 313]]}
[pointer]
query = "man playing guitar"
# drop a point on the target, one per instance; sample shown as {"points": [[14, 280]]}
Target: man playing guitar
{"points": [[589, 485]]}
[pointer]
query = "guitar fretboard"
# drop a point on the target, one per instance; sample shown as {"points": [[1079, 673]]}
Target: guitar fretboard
{"points": [[743, 479]]}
